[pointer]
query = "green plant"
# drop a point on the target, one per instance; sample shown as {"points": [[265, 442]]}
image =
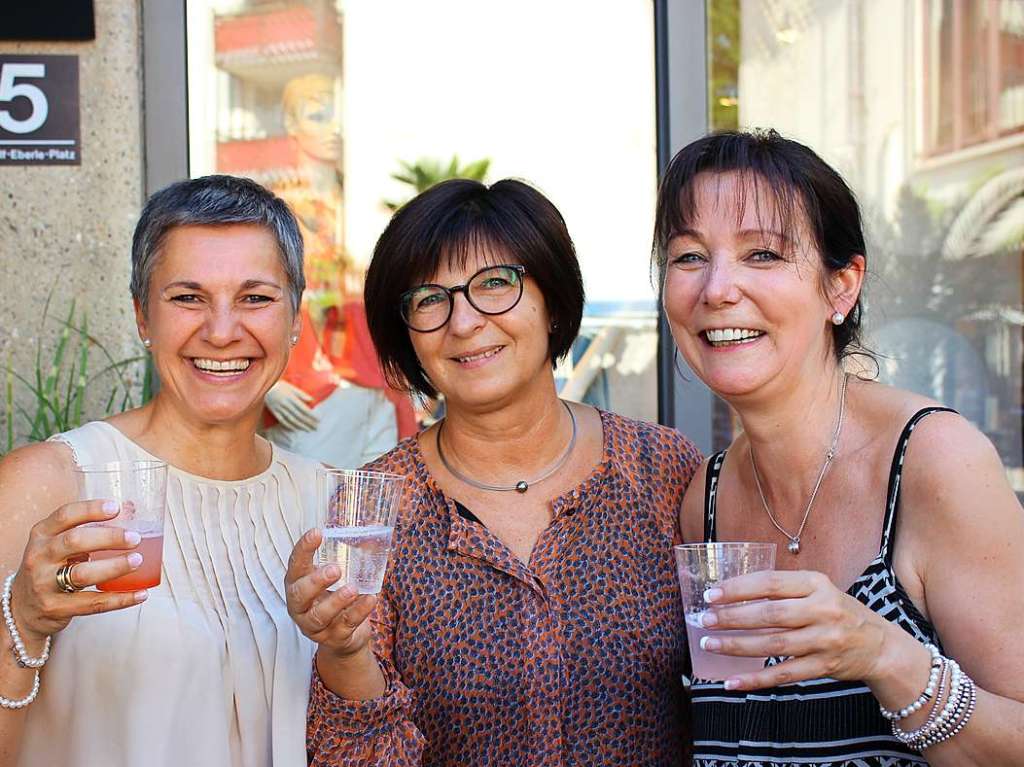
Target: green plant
{"points": [[425, 172], [58, 386]]}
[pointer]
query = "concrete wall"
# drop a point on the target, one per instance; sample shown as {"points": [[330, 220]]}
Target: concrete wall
{"points": [[69, 227]]}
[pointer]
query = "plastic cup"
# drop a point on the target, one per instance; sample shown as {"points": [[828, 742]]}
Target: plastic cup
{"points": [[358, 511], [140, 490], [700, 566]]}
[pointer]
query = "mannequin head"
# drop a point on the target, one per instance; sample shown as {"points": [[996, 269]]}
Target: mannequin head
{"points": [[311, 116]]}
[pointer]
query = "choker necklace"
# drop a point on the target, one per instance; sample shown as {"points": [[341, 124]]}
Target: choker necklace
{"points": [[794, 540], [522, 485]]}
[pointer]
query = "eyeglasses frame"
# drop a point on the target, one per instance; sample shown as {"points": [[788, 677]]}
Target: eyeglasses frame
{"points": [[464, 290]]}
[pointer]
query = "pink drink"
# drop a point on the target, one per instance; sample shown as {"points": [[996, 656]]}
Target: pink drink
{"points": [[147, 575], [712, 666], [361, 552]]}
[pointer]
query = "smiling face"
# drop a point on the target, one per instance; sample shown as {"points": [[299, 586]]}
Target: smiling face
{"points": [[745, 302], [219, 319], [485, 361]]}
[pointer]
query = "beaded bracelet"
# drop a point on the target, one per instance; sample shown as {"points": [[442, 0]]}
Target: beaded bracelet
{"points": [[924, 697], [23, 658], [957, 710], [18, 648], [13, 703]]}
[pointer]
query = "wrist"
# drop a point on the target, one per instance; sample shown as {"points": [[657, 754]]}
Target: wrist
{"points": [[346, 658], [354, 676], [902, 670]]}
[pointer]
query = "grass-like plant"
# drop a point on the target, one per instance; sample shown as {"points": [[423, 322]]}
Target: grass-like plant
{"points": [[59, 385]]}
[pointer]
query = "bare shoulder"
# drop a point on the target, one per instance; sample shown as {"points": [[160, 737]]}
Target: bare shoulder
{"points": [[947, 454], [962, 529], [34, 481], [34, 467]]}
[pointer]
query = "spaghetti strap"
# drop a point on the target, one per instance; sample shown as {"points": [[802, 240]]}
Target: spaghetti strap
{"points": [[711, 495], [892, 498]]}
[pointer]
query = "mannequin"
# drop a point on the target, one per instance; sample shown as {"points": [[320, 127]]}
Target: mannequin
{"points": [[331, 403]]}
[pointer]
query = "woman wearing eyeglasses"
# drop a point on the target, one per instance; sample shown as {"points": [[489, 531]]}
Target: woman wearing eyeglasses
{"points": [[530, 614]]}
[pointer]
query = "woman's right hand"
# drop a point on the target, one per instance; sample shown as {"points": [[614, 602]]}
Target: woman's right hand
{"points": [[336, 620], [39, 605]]}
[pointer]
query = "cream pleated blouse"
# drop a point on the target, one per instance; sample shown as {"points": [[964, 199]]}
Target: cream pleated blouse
{"points": [[210, 671]]}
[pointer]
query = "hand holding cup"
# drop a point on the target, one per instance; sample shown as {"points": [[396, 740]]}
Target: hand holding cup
{"points": [[336, 620], [70, 535]]}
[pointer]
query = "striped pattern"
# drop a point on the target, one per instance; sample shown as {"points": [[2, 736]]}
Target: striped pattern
{"points": [[821, 722]]}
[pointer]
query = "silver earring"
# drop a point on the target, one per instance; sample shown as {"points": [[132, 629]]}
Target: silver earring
{"points": [[838, 318], [146, 342], [295, 340]]}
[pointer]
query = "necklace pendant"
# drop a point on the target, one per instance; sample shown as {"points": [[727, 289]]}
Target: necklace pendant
{"points": [[794, 546], [522, 486]]}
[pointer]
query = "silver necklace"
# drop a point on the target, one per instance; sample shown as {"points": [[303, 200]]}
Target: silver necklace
{"points": [[522, 485], [794, 540]]}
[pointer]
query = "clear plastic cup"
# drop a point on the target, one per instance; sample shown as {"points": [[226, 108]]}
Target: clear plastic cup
{"points": [[358, 511], [140, 490], [700, 566]]}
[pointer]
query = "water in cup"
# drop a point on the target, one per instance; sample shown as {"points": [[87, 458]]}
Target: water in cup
{"points": [[358, 517], [361, 552]]}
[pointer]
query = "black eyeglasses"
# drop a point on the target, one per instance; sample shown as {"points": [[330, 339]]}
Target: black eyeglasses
{"points": [[492, 290]]}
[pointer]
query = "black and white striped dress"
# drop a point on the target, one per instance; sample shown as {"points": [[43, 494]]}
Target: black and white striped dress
{"points": [[822, 721]]}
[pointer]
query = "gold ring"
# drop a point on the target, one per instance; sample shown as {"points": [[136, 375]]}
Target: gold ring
{"points": [[64, 580]]}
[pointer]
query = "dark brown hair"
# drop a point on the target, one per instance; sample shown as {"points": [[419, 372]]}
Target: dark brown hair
{"points": [[798, 182], [452, 223]]}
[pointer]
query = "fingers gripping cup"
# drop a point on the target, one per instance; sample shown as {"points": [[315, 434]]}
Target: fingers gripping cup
{"points": [[701, 566], [140, 490], [358, 511]]}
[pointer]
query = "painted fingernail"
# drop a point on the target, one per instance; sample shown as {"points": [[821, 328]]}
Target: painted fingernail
{"points": [[712, 595], [732, 684], [708, 619], [141, 596], [710, 643], [132, 538], [135, 559], [110, 507], [333, 572]]}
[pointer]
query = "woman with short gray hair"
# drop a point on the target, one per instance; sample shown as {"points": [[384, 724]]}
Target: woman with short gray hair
{"points": [[204, 669]]}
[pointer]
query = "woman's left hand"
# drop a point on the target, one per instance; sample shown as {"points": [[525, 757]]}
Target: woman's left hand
{"points": [[822, 631]]}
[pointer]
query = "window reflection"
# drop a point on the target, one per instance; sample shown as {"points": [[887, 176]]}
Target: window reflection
{"points": [[347, 107], [921, 106]]}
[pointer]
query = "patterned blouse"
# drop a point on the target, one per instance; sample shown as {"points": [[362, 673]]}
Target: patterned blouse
{"points": [[574, 659]]}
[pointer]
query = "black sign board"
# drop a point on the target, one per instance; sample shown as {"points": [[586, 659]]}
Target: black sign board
{"points": [[47, 20], [39, 110]]}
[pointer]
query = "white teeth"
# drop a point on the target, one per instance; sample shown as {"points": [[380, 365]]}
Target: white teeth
{"points": [[481, 356], [727, 335], [221, 366]]}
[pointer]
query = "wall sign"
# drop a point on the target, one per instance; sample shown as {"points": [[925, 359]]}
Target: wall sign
{"points": [[48, 20], [39, 122]]}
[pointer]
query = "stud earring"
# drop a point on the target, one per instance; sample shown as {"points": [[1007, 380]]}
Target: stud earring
{"points": [[295, 340], [146, 342], [838, 318]]}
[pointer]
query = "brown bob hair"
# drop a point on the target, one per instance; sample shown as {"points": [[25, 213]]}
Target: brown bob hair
{"points": [[452, 223]]}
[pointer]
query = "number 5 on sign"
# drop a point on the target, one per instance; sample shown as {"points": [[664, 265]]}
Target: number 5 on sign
{"points": [[10, 90]]}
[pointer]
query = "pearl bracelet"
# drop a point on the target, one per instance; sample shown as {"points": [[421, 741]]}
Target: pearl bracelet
{"points": [[24, 659], [953, 717], [16, 703], [924, 697]]}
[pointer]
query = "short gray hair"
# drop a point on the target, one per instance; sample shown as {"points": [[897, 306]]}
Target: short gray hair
{"points": [[214, 201]]}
